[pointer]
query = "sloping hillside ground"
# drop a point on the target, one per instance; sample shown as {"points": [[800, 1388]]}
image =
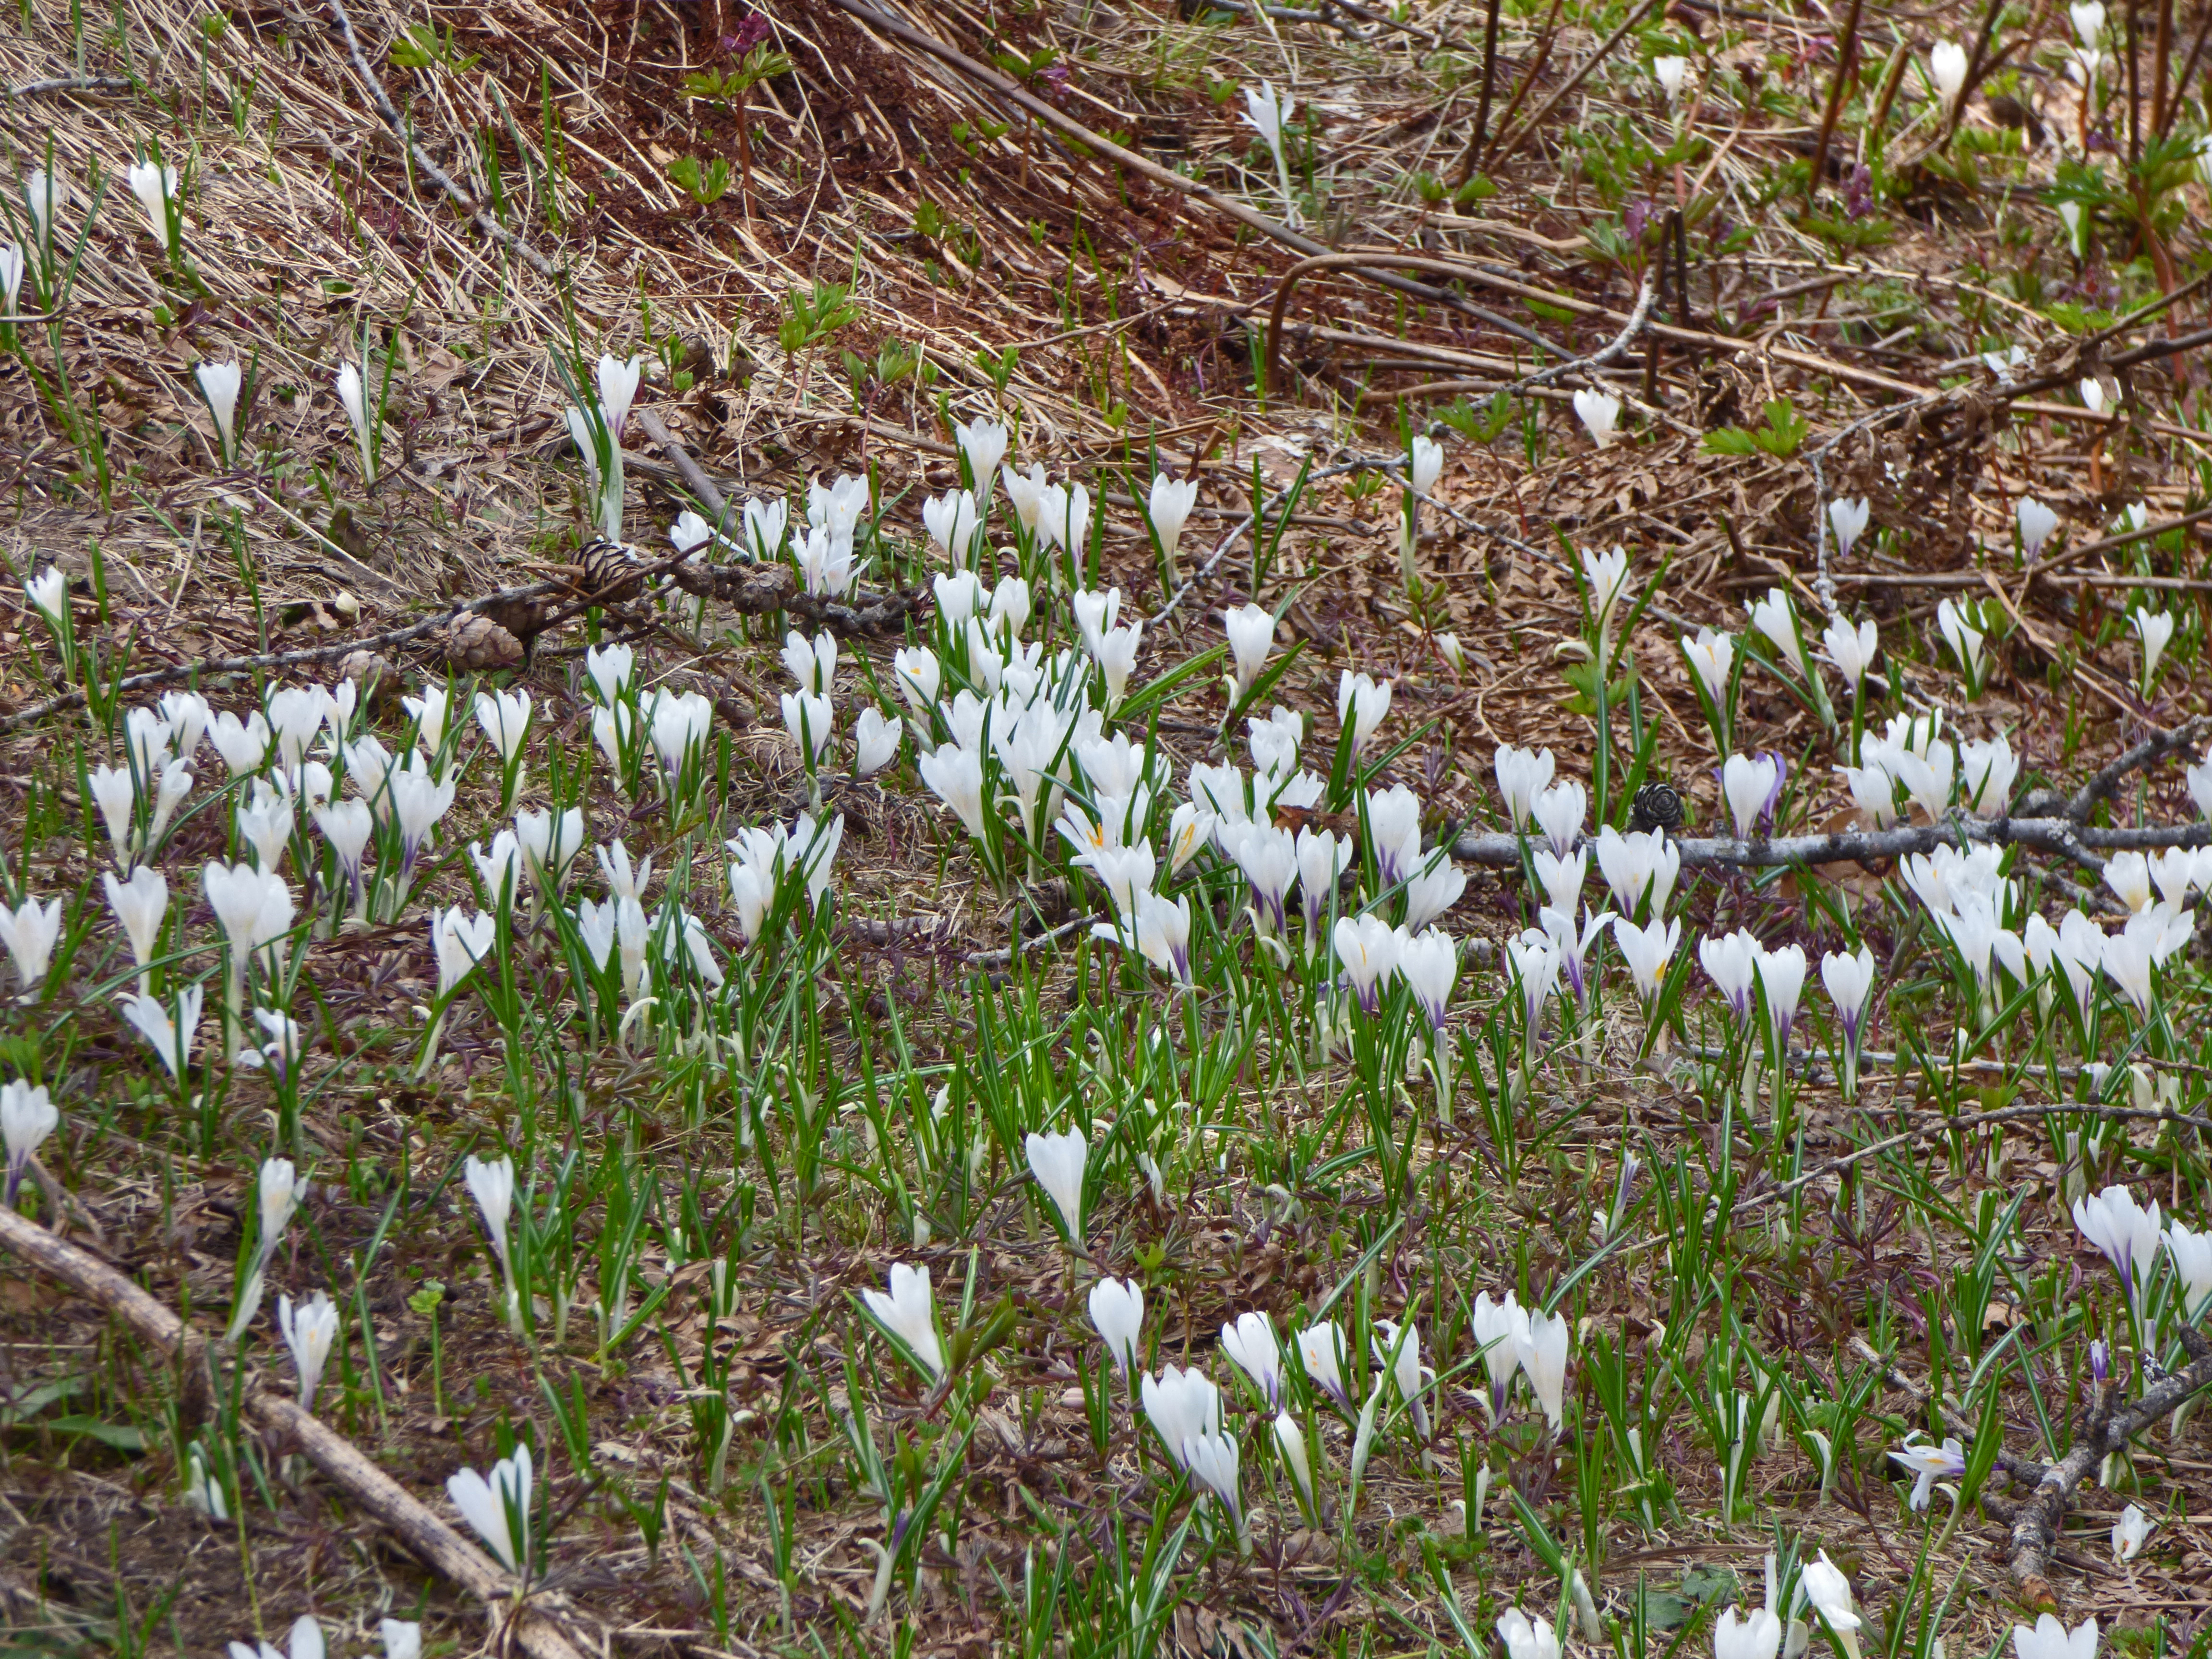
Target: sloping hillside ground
{"points": [[1818, 314]]}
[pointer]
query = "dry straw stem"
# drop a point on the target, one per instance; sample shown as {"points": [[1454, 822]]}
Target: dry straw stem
{"points": [[425, 1537]]}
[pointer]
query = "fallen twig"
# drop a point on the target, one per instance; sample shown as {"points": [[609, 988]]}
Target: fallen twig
{"points": [[73, 83], [1520, 135], [2059, 835], [2107, 1427], [425, 1537], [301, 658], [1846, 47], [2157, 746], [1638, 318], [693, 476]]}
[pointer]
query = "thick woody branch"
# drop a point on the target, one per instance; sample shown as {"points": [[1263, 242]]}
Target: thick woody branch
{"points": [[2106, 1428], [2157, 746], [425, 1537], [2063, 835]]}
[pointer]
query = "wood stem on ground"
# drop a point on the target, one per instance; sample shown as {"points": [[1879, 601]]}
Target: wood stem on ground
{"points": [[1544, 37], [1489, 85], [1846, 51], [424, 1536], [2051, 834], [1520, 135]]}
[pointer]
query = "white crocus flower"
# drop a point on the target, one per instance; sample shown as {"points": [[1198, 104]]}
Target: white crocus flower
{"points": [[1526, 1638], [2124, 1232], [2050, 1639], [1057, 1161], [909, 1313], [1851, 649], [2191, 1255], [617, 379], [1251, 631], [27, 1116], [354, 398], [1929, 1463], [170, 1036], [1116, 656], [1406, 1372], [1541, 1344], [1848, 518], [1647, 950], [2037, 522], [1946, 67], [918, 677], [1776, 618], [875, 741], [1522, 775], [2155, 629], [1782, 977], [953, 524], [956, 775], [1250, 1342], [1711, 658], [459, 941], [811, 722], [1117, 1309], [154, 185], [48, 592], [1169, 505], [1182, 1405], [1731, 962], [1606, 576], [1266, 113], [2127, 874], [309, 1332], [1672, 71], [1599, 412], [811, 664], [30, 933], [220, 383], [1212, 1460], [1362, 705], [1559, 811], [1829, 1591], [491, 1182], [495, 1507], [1747, 782], [1425, 464], [1291, 1443], [983, 445], [2128, 1532], [505, 718], [140, 904]]}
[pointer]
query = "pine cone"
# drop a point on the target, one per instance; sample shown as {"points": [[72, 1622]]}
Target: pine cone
{"points": [[606, 564], [476, 643], [524, 618], [378, 678]]}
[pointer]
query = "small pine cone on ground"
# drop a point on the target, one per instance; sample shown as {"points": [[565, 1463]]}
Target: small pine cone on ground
{"points": [[374, 672], [476, 643]]}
